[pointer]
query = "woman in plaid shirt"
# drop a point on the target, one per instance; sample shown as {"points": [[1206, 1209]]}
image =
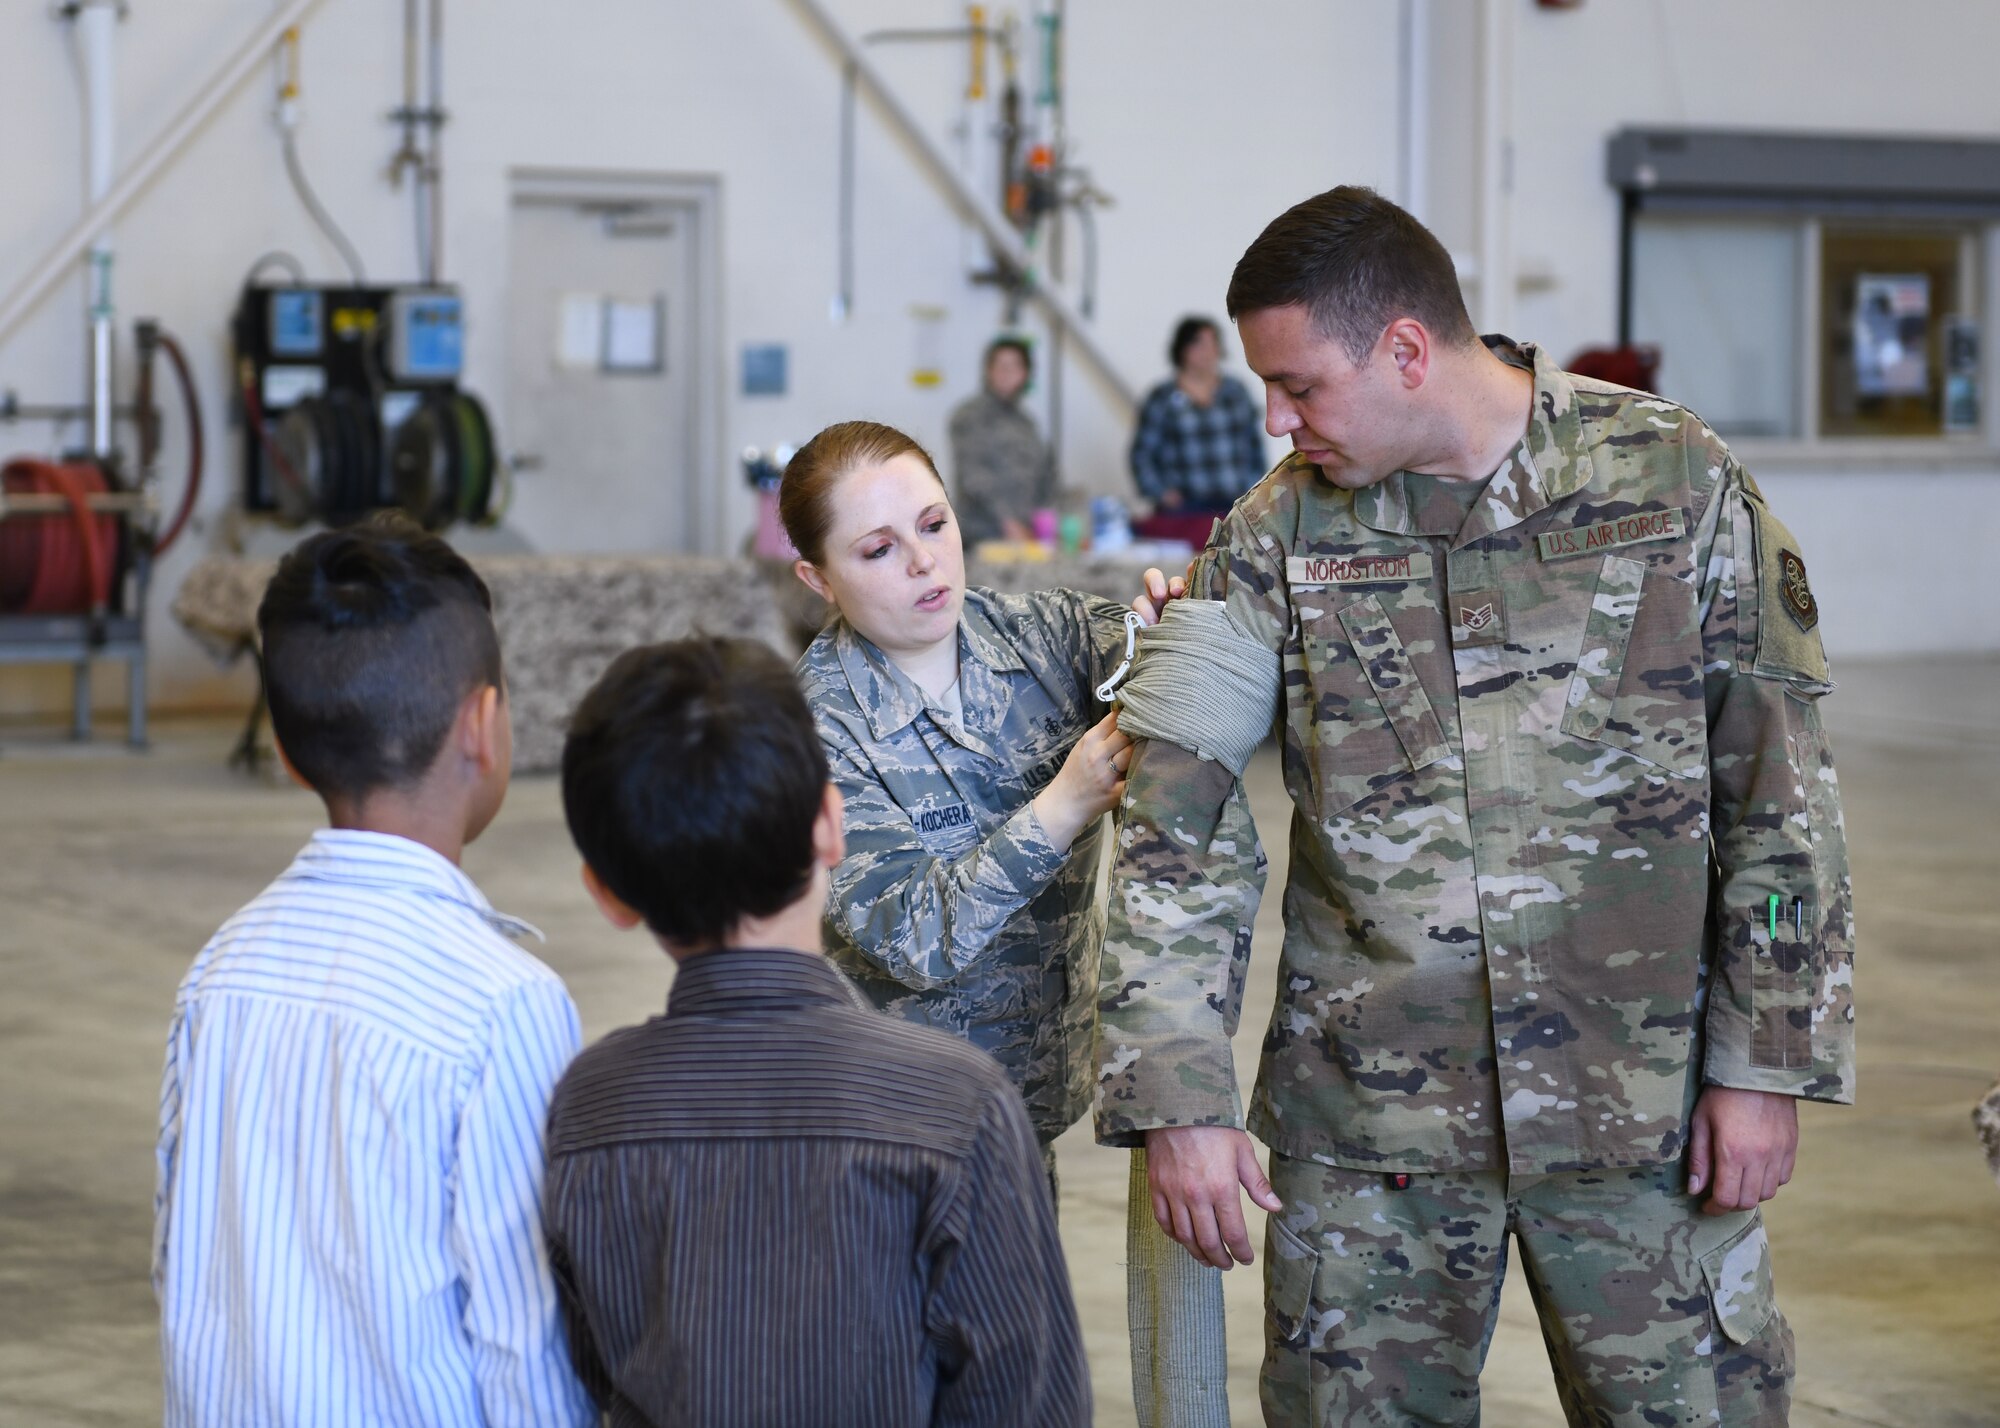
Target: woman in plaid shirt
{"points": [[1200, 442]]}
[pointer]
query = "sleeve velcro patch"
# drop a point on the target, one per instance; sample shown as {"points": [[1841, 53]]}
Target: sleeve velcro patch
{"points": [[1788, 640]]}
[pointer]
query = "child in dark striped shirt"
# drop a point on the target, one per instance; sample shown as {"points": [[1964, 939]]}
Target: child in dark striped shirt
{"points": [[772, 1205]]}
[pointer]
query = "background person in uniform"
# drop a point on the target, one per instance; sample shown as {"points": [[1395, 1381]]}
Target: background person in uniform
{"points": [[1568, 928], [975, 761], [1005, 470], [1200, 442], [772, 1206]]}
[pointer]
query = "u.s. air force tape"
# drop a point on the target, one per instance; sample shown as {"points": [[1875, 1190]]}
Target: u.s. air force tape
{"points": [[1605, 535], [1396, 567]]}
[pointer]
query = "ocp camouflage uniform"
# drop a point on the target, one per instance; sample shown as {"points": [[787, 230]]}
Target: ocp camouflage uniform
{"points": [[1551, 762], [1003, 466], [952, 907]]}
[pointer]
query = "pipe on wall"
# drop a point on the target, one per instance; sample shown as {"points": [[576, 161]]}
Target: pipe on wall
{"points": [[97, 36], [1413, 140], [166, 145], [975, 206], [1496, 165]]}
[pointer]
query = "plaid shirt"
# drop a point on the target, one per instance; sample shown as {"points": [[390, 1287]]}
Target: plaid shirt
{"points": [[1211, 454]]}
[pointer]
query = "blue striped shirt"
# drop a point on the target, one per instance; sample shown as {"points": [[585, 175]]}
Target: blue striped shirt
{"points": [[347, 1226]]}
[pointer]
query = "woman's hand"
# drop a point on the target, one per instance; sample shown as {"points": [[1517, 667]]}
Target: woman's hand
{"points": [[1090, 782], [1159, 590]]}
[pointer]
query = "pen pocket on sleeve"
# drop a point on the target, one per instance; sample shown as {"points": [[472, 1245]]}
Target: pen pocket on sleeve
{"points": [[1781, 986]]}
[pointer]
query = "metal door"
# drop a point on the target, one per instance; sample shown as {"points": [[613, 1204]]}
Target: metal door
{"points": [[600, 392]]}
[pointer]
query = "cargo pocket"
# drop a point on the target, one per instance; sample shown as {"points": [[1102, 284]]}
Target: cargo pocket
{"points": [[1292, 1266], [1369, 722], [1738, 1274], [1638, 686]]}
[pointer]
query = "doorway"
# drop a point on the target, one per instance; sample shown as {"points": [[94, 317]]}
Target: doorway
{"points": [[612, 367]]}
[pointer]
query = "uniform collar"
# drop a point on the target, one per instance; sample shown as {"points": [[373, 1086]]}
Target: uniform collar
{"points": [[735, 979], [1549, 464], [889, 699], [358, 858]]}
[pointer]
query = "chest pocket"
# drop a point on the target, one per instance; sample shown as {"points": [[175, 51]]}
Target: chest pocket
{"points": [[1638, 685], [1369, 721]]}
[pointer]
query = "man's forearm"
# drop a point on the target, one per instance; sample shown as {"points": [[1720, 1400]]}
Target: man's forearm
{"points": [[1184, 893]]}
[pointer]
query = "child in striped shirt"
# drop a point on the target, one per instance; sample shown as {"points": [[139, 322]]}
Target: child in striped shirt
{"points": [[347, 1221]]}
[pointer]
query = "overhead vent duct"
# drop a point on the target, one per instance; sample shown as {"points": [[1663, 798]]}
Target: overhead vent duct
{"points": [[1711, 169]]}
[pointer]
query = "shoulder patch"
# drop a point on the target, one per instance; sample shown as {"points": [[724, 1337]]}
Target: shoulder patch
{"points": [[1788, 641], [1798, 596]]}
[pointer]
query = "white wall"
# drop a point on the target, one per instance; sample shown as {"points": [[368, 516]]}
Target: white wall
{"points": [[1171, 105], [1898, 553], [1203, 120]]}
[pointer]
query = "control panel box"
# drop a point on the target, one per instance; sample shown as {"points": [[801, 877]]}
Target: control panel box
{"points": [[377, 348]]}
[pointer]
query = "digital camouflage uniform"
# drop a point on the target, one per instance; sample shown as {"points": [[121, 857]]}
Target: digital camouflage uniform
{"points": [[952, 908], [1004, 468], [1548, 766]]}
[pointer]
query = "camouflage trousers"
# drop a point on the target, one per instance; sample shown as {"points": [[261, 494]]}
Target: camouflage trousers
{"points": [[1381, 1302]]}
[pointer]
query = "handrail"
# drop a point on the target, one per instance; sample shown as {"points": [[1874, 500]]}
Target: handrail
{"points": [[62, 255]]}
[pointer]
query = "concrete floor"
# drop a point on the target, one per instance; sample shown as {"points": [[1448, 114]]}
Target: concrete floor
{"points": [[114, 868]]}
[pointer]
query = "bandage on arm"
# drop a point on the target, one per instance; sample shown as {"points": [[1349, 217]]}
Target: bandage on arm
{"points": [[1202, 684]]}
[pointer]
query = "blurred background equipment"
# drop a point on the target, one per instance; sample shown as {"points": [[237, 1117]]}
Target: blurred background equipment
{"points": [[1014, 177], [351, 403], [1631, 366], [349, 394], [79, 532]]}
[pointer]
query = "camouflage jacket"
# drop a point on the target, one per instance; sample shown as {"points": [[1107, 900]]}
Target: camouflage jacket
{"points": [[952, 907], [1566, 842], [1004, 468]]}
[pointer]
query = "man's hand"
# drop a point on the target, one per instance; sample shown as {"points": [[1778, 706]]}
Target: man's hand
{"points": [[1194, 1172], [1741, 1147], [1159, 590]]}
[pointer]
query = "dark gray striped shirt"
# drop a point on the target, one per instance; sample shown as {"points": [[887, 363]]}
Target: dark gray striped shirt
{"points": [[776, 1206]]}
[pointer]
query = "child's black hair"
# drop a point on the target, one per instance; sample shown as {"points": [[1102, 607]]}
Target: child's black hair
{"points": [[373, 637], [691, 780]]}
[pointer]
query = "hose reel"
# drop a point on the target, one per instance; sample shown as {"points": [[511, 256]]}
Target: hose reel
{"points": [[442, 466], [57, 564], [439, 466]]}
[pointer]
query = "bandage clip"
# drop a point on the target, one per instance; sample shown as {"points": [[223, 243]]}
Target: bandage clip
{"points": [[1108, 690]]}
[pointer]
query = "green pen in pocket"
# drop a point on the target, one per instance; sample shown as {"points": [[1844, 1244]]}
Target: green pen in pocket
{"points": [[1774, 918]]}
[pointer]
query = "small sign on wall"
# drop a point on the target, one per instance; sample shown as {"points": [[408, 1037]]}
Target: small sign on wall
{"points": [[596, 333], [634, 335], [764, 366], [1961, 374], [579, 331], [1892, 314]]}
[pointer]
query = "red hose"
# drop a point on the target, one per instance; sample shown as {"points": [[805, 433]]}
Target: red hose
{"points": [[194, 440], [50, 565]]}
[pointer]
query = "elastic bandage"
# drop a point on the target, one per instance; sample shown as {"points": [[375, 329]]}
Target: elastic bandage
{"points": [[1201, 683]]}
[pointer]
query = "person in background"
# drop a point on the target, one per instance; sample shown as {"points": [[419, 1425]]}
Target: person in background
{"points": [[1200, 440], [975, 760], [1005, 470], [348, 1220], [772, 1206]]}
